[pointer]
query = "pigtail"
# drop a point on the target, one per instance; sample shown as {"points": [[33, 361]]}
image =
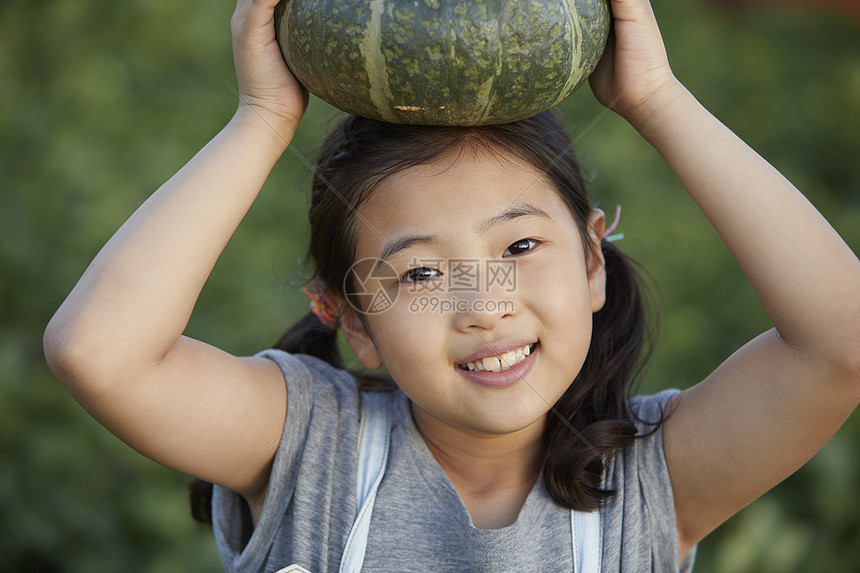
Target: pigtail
{"points": [[591, 420], [309, 336], [200, 496]]}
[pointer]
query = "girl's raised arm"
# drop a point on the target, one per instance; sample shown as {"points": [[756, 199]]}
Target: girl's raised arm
{"points": [[116, 342], [768, 408]]}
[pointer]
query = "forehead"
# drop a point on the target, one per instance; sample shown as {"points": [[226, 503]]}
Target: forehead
{"points": [[470, 155], [453, 194]]}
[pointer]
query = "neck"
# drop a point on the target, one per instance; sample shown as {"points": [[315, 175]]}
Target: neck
{"points": [[484, 465]]}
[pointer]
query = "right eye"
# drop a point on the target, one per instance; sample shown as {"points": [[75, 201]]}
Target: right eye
{"points": [[419, 274]]}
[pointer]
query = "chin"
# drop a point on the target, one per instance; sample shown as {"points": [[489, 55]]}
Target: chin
{"points": [[501, 423]]}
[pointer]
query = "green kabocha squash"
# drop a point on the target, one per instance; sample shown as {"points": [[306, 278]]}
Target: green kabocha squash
{"points": [[442, 62]]}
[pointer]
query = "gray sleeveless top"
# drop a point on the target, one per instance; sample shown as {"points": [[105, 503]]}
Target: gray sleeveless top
{"points": [[419, 522]]}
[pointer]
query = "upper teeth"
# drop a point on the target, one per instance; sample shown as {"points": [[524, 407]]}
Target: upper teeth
{"points": [[502, 361]]}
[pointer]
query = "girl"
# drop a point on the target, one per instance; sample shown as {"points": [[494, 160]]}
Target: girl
{"points": [[509, 443]]}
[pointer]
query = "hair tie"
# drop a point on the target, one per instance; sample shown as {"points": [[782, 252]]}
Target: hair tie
{"points": [[606, 234], [320, 307]]}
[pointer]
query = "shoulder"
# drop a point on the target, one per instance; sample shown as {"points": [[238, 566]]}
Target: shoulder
{"points": [[304, 365], [645, 457], [320, 432], [640, 518], [650, 411], [310, 380]]}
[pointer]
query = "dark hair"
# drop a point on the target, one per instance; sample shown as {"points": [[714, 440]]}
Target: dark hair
{"points": [[591, 419]]}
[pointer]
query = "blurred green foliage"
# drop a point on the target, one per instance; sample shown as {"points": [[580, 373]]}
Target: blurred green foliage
{"points": [[103, 101]]}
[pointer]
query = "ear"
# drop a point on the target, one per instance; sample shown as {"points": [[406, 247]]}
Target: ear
{"points": [[596, 263], [359, 338]]}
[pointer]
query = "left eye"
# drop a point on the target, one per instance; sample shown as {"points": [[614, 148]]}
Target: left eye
{"points": [[520, 247], [419, 274]]}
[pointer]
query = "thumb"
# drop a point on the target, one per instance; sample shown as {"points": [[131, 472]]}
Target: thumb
{"points": [[631, 10]]}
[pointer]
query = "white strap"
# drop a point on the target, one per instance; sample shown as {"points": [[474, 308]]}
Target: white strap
{"points": [[373, 440], [294, 568], [586, 535]]}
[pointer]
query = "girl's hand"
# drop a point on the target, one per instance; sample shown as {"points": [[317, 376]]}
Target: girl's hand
{"points": [[266, 86], [634, 68]]}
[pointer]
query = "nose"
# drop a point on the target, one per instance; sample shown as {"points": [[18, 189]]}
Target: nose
{"points": [[483, 310]]}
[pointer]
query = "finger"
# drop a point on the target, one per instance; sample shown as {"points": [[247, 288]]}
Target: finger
{"points": [[635, 10], [253, 15], [266, 4], [260, 11]]}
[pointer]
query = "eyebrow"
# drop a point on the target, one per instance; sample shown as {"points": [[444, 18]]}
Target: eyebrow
{"points": [[513, 211], [394, 246]]}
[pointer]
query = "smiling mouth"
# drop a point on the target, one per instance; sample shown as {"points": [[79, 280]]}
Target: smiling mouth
{"points": [[500, 362]]}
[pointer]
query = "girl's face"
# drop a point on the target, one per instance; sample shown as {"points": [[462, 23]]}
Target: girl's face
{"points": [[482, 295]]}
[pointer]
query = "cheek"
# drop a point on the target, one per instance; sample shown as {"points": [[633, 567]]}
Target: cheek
{"points": [[561, 300], [405, 338], [558, 290], [411, 354]]}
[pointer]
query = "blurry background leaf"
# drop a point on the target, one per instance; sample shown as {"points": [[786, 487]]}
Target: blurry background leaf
{"points": [[102, 102]]}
